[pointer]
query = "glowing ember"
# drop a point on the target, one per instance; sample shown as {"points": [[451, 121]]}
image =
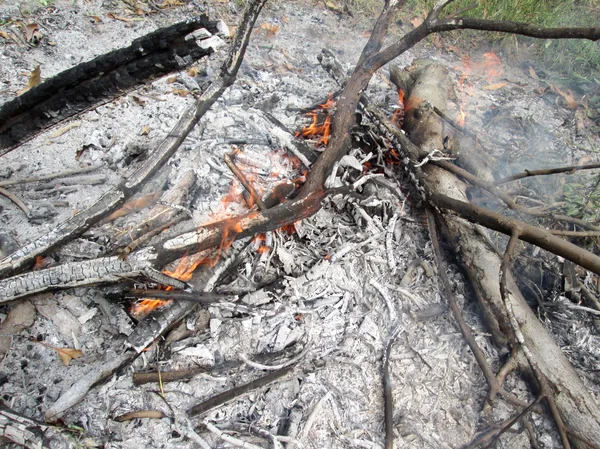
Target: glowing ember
{"points": [[314, 129]]}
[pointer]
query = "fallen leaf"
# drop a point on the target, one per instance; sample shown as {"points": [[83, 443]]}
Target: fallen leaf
{"points": [[171, 79], [139, 100], [96, 19], [181, 92], [35, 78], [416, 21], [494, 86], [33, 33], [135, 205], [64, 129], [124, 19], [193, 71], [145, 131], [586, 159], [533, 74], [65, 354], [4, 34], [570, 102], [270, 29], [68, 354]]}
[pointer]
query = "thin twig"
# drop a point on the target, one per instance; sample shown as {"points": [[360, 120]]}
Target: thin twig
{"points": [[546, 171], [511, 422], [228, 438], [492, 381], [242, 178], [235, 392], [15, 200], [388, 401], [199, 297], [292, 361], [62, 174], [166, 376]]}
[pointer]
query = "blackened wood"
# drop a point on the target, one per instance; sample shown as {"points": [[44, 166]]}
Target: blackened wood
{"points": [[102, 79]]}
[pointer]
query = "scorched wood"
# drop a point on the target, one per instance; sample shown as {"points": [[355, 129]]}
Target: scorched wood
{"points": [[102, 79]]}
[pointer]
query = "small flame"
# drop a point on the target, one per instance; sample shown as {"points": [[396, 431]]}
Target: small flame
{"points": [[398, 117], [314, 129], [490, 67], [462, 117], [183, 271]]}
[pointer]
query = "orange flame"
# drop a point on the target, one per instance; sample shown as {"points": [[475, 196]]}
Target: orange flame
{"points": [[462, 117], [490, 67], [183, 271], [398, 117], [314, 129]]}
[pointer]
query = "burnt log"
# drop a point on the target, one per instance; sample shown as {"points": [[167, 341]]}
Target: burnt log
{"points": [[106, 77]]}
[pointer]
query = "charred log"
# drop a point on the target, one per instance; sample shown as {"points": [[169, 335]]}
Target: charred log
{"points": [[106, 77]]}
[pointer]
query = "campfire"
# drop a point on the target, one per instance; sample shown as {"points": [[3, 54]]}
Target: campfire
{"points": [[255, 255]]}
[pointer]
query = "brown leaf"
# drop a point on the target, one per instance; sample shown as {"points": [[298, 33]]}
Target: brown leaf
{"points": [[193, 71], [124, 19], [145, 131], [570, 102], [171, 79], [68, 354], [33, 34], [135, 205], [96, 19], [494, 86], [4, 34], [35, 78], [533, 74], [270, 29], [416, 21], [586, 159], [65, 354], [181, 92]]}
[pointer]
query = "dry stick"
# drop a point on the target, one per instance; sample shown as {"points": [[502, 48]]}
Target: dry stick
{"points": [[490, 377], [235, 392], [513, 421], [112, 199], [528, 233], [199, 297], [388, 401], [123, 252], [461, 128], [546, 171], [242, 178], [166, 376], [491, 187], [62, 174], [15, 199], [152, 414], [545, 388], [575, 233], [584, 440]]}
